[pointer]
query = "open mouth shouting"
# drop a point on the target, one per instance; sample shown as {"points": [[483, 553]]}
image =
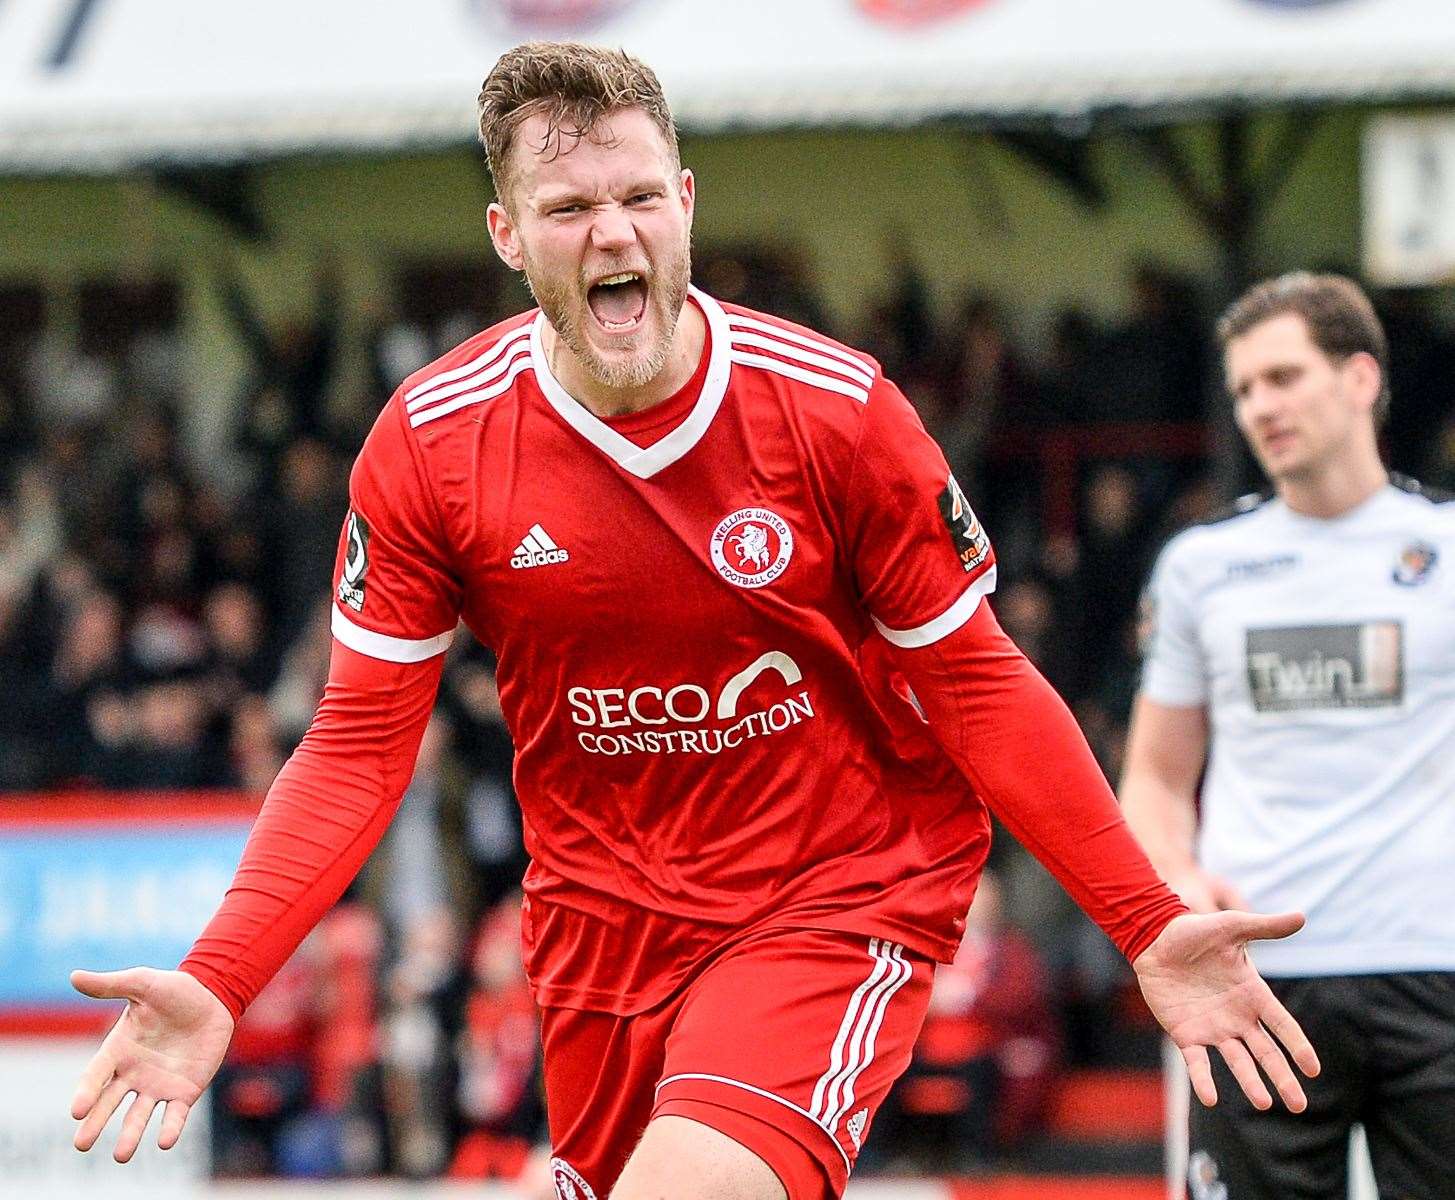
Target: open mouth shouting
{"points": [[618, 302]]}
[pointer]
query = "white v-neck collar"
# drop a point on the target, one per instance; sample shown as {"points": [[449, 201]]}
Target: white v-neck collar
{"points": [[644, 462]]}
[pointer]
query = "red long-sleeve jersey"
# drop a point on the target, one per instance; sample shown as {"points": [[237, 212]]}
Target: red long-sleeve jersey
{"points": [[717, 624]]}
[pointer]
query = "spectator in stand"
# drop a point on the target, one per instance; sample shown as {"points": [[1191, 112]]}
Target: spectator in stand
{"points": [[983, 378], [1161, 352], [1076, 374], [900, 330], [1421, 360], [1028, 612], [164, 739], [88, 672], [18, 433], [299, 686], [253, 744], [1110, 562], [422, 997], [396, 347], [23, 762], [286, 393], [986, 390], [241, 659], [30, 530], [295, 1094], [148, 485], [499, 1053], [267, 1079], [480, 745], [297, 518], [493, 840]]}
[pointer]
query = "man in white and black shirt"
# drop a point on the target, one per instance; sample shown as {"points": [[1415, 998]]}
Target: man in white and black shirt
{"points": [[1302, 651]]}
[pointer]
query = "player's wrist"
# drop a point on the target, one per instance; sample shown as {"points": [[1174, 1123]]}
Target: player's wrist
{"points": [[207, 991]]}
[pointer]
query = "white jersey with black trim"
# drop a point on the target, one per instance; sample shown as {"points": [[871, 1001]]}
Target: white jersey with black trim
{"points": [[1324, 653]]}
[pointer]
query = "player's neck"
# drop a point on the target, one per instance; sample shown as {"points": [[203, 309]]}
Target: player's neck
{"points": [[601, 399], [1339, 488]]}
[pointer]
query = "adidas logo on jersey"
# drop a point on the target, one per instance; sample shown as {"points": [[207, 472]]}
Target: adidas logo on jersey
{"points": [[537, 549], [856, 1125]]}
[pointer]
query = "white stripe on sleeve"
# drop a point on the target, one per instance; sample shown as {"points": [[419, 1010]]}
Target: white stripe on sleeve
{"points": [[384, 647], [947, 622]]}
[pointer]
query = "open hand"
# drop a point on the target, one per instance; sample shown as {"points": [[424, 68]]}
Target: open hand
{"points": [[1202, 988], [165, 1047]]}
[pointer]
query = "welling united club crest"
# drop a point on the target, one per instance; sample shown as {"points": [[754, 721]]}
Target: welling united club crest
{"points": [[568, 1181], [751, 547]]}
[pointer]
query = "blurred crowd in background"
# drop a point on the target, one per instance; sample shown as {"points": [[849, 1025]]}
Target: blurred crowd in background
{"points": [[163, 625]]}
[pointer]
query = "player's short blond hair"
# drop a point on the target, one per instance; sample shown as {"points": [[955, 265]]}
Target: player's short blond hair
{"points": [[1340, 318], [573, 87]]}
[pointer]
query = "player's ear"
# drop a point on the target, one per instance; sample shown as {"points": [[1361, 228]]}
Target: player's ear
{"points": [[504, 236], [1362, 370], [687, 193]]}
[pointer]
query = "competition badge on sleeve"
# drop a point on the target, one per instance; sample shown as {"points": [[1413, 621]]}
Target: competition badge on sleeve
{"points": [[971, 542], [356, 563]]}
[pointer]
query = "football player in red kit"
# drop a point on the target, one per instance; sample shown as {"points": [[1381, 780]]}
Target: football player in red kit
{"points": [[758, 700]]}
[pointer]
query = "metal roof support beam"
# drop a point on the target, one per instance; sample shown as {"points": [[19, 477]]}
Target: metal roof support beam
{"points": [[1067, 160], [226, 193], [1232, 206]]}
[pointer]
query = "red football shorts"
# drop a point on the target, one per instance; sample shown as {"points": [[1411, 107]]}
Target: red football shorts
{"points": [[787, 1042]]}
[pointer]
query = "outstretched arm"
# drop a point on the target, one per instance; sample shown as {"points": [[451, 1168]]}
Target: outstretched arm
{"points": [[1018, 744], [324, 815], [397, 605], [1015, 740]]}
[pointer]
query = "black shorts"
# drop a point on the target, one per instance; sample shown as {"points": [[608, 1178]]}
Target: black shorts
{"points": [[1387, 1045]]}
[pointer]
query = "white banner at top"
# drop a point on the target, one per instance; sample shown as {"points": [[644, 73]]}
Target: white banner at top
{"points": [[102, 84]]}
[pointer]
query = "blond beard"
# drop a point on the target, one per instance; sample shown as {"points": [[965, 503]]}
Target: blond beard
{"points": [[638, 371]]}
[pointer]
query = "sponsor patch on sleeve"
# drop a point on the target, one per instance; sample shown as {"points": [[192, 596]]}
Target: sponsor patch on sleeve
{"points": [[356, 562], [971, 542]]}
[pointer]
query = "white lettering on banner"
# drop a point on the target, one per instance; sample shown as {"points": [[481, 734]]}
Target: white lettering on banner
{"points": [[107, 906]]}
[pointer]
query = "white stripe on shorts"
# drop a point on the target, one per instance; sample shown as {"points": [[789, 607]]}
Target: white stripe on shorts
{"points": [[853, 1048]]}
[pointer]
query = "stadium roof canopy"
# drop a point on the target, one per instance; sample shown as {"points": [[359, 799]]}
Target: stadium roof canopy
{"points": [[100, 85]]}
